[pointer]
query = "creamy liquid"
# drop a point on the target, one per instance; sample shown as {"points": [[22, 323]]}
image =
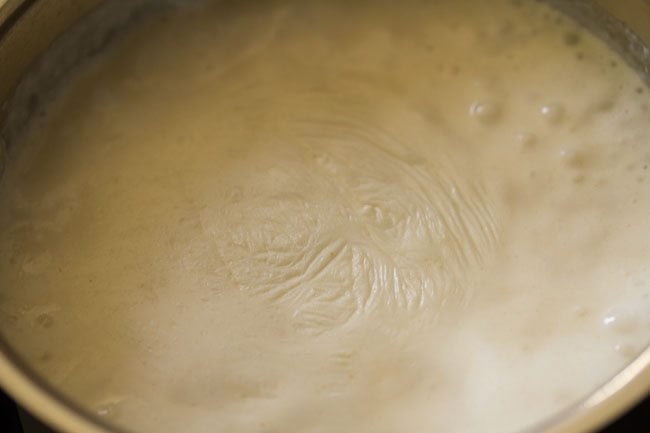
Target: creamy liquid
{"points": [[333, 217]]}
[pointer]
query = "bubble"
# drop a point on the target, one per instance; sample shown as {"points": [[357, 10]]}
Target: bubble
{"points": [[234, 195], [606, 105], [526, 140], [620, 321], [627, 351], [581, 311], [275, 172], [45, 320], [571, 39], [34, 265], [574, 158], [507, 28], [485, 112], [375, 214], [105, 410], [639, 90], [563, 397], [109, 407], [601, 182], [553, 113], [328, 163], [46, 356], [579, 179]]}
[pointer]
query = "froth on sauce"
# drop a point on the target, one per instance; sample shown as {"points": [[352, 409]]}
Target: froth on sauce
{"points": [[331, 216]]}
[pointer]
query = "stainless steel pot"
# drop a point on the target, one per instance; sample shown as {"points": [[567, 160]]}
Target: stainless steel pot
{"points": [[29, 27]]}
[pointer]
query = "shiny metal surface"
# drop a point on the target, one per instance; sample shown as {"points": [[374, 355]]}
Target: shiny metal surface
{"points": [[28, 28]]}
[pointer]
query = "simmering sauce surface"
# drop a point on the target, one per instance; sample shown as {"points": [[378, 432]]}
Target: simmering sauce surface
{"points": [[332, 217]]}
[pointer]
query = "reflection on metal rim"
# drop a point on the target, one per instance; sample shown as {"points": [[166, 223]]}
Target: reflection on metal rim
{"points": [[618, 395], [41, 399]]}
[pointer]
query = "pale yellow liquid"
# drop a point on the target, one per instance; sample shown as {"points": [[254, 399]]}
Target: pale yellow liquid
{"points": [[334, 217]]}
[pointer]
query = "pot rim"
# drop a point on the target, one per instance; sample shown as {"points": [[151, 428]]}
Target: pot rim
{"points": [[616, 396]]}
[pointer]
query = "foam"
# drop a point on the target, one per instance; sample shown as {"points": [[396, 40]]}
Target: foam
{"points": [[331, 217]]}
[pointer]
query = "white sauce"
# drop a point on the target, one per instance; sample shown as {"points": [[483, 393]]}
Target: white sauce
{"points": [[328, 216]]}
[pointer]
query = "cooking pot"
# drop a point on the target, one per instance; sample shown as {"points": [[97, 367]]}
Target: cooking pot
{"points": [[29, 28]]}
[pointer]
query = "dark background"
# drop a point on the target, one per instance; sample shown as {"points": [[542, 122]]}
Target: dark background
{"points": [[15, 420]]}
